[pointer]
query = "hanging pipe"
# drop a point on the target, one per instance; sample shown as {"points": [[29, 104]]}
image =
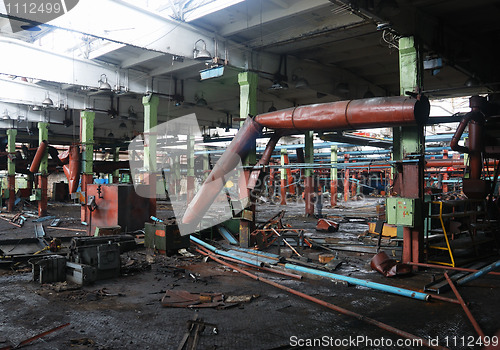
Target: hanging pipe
{"points": [[331, 306], [354, 114], [72, 170], [40, 152], [464, 306]]}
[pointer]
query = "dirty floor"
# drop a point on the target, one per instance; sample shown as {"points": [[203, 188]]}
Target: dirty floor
{"points": [[126, 312]]}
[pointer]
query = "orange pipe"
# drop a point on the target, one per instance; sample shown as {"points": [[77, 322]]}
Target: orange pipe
{"points": [[72, 170], [40, 152]]}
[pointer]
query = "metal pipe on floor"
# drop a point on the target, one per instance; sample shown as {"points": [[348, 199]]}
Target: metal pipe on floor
{"points": [[223, 253], [359, 282], [331, 306], [432, 266], [464, 306], [479, 273], [263, 268]]}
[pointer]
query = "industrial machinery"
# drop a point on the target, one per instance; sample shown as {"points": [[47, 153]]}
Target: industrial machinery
{"points": [[164, 236]]}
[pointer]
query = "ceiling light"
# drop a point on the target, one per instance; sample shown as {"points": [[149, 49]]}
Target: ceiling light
{"points": [[201, 102], [47, 102], [131, 113], [272, 108], [123, 125], [208, 8], [277, 85], [36, 108], [111, 134], [203, 54], [103, 83], [472, 81], [301, 84], [5, 115]]}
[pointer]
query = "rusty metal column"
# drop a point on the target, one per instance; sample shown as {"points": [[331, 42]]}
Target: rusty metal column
{"points": [[11, 167], [333, 176], [87, 140], [190, 168], [283, 177], [43, 135], [248, 106], [309, 173], [150, 103], [445, 174], [346, 178], [409, 143]]}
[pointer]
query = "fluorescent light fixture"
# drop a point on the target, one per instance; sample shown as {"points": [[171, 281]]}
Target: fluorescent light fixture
{"points": [[211, 7]]}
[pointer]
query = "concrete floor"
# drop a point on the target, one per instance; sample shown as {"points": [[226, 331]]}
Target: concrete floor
{"points": [[135, 319]]}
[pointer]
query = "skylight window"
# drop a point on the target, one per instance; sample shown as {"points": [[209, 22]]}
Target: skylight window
{"points": [[203, 8]]}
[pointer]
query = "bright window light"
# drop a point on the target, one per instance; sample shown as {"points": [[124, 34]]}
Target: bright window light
{"points": [[208, 8]]}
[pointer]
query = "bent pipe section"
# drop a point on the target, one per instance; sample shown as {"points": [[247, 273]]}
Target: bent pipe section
{"points": [[342, 115], [40, 152]]}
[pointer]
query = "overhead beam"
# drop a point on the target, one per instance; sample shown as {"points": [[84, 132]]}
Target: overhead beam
{"points": [[105, 49], [142, 58], [64, 69], [270, 16]]}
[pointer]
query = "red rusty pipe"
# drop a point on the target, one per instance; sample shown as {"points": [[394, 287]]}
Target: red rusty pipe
{"points": [[72, 170], [40, 152], [458, 134], [449, 268], [330, 305], [365, 113], [354, 114], [464, 306], [235, 152]]}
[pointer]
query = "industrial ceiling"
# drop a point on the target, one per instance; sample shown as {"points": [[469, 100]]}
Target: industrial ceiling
{"points": [[303, 51]]}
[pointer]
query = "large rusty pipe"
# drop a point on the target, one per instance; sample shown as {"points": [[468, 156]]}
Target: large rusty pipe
{"points": [[40, 152], [365, 113], [235, 152], [72, 170], [354, 114]]}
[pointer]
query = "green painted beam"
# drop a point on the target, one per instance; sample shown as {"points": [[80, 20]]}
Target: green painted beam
{"points": [[43, 135], [11, 148], [150, 103], [248, 82], [333, 161], [190, 155], [87, 138]]}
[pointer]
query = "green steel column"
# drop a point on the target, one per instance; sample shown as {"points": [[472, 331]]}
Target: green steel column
{"points": [[190, 168], [11, 168], [87, 139], [150, 103], [248, 106], [333, 176], [411, 140], [43, 135], [309, 173], [283, 177]]}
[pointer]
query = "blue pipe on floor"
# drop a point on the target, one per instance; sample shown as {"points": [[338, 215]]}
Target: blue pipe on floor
{"points": [[373, 285], [479, 273], [226, 254]]}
